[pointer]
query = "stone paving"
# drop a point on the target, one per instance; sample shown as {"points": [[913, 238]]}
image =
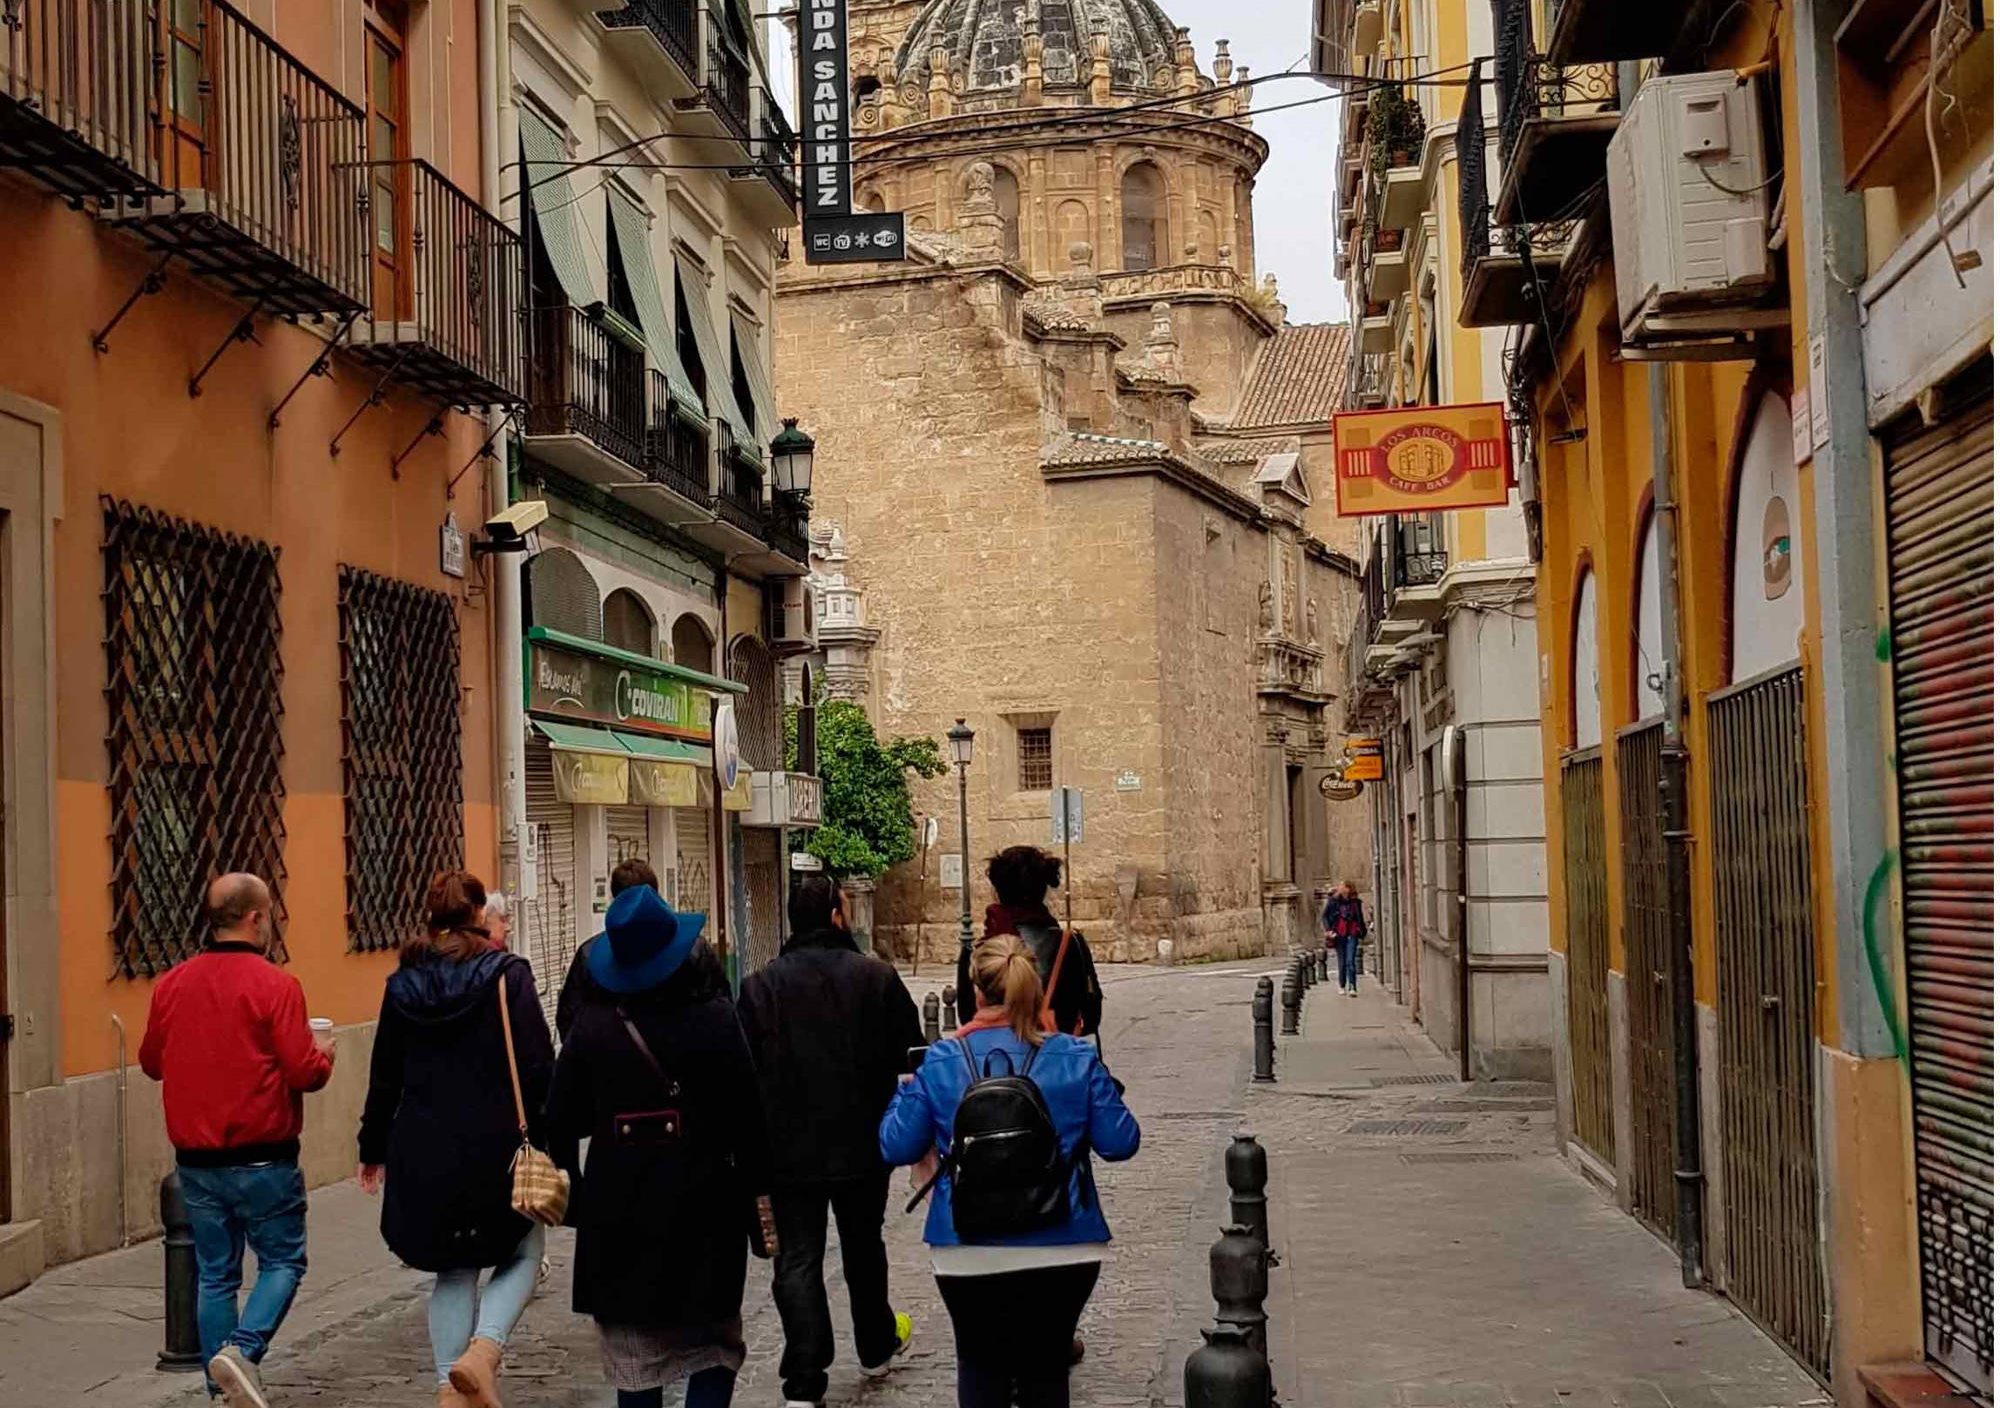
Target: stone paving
{"points": [[1436, 1254]]}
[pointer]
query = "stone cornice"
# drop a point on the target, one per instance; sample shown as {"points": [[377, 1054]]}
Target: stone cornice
{"points": [[1169, 467], [961, 134]]}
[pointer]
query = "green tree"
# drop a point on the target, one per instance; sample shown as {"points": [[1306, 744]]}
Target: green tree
{"points": [[865, 823]]}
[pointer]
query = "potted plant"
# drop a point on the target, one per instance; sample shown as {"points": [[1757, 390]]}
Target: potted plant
{"points": [[1395, 130]]}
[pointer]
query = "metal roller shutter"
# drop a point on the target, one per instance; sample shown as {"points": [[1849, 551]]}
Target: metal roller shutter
{"points": [[691, 846], [548, 921], [628, 835], [1649, 954], [1588, 930], [1940, 512]]}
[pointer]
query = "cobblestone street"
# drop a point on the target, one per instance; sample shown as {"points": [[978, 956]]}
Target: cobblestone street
{"points": [[1436, 1252]]}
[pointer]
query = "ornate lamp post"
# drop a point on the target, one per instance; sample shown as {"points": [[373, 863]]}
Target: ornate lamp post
{"points": [[960, 739], [792, 462]]}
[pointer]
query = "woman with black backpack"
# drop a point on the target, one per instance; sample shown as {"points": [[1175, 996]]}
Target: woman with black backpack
{"points": [[1015, 1227]]}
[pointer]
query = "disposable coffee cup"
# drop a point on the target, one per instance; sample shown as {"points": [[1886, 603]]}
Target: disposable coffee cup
{"points": [[321, 1026]]}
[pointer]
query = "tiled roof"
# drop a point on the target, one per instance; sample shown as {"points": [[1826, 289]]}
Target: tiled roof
{"points": [[1245, 451], [1297, 377]]}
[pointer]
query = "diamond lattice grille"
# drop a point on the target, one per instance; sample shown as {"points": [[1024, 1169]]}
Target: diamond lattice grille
{"points": [[401, 765], [194, 733]]}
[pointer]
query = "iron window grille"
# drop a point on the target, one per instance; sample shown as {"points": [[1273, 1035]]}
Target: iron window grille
{"points": [[401, 767], [194, 731], [1037, 751]]}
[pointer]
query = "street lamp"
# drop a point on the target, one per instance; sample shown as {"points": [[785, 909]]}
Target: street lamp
{"points": [[960, 739], [792, 462]]}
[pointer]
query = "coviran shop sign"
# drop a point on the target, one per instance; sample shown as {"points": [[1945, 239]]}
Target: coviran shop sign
{"points": [[567, 684], [1422, 459]]}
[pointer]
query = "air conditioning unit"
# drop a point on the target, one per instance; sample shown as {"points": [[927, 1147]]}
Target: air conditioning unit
{"points": [[1691, 196], [791, 602]]}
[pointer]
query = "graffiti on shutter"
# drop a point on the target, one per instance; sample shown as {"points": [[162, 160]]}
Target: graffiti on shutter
{"points": [[548, 921]]}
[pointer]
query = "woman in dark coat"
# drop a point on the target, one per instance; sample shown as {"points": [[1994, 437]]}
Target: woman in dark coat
{"points": [[1022, 877], [656, 1074], [441, 1130]]}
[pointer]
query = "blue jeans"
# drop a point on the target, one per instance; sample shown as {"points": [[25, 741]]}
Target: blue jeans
{"points": [[459, 1313], [1347, 949], [711, 1388], [263, 1205]]}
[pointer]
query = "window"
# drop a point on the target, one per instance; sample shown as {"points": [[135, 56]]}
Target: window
{"points": [[1143, 198], [401, 766], [194, 737], [562, 594], [1036, 749], [388, 143], [693, 645], [186, 24], [1007, 196], [628, 622]]}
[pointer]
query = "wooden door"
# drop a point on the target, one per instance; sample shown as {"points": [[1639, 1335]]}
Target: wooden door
{"points": [[388, 154], [186, 94]]}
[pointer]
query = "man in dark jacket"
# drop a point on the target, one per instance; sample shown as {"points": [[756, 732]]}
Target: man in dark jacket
{"points": [[830, 1029], [578, 986]]}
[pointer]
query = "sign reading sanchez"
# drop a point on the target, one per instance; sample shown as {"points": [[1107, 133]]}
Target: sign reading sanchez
{"points": [[1422, 459]]}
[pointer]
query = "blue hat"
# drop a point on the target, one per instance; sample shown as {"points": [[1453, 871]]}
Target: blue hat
{"points": [[643, 943]]}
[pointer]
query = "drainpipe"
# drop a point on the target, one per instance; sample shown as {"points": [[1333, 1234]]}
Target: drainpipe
{"points": [[1674, 823], [509, 708], [1454, 762]]}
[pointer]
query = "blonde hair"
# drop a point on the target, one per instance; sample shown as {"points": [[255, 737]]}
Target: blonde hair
{"points": [[1004, 972]]}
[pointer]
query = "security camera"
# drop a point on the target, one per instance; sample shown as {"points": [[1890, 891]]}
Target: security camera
{"points": [[513, 528]]}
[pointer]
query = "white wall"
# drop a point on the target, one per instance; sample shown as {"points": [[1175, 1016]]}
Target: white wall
{"points": [[1767, 607], [1585, 674], [1650, 659]]}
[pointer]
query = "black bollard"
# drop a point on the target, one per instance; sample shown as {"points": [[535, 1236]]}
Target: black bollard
{"points": [[1320, 958], [1263, 1049], [1306, 968], [930, 1016], [948, 1003], [181, 1353], [1247, 1171], [1226, 1372], [1288, 1001], [1239, 1275]]}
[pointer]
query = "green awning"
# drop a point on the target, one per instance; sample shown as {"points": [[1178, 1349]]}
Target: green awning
{"points": [[575, 738], [750, 350], [666, 750], [556, 221], [631, 233], [714, 357]]}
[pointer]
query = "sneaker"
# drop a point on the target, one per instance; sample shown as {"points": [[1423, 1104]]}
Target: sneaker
{"points": [[237, 1379], [801, 1403], [905, 1331]]}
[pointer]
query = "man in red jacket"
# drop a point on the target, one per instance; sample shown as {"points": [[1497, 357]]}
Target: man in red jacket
{"points": [[228, 1038]]}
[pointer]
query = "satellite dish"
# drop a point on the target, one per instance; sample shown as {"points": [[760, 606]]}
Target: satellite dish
{"points": [[728, 756]]}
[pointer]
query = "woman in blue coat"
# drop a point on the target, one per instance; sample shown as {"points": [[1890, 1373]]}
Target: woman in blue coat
{"points": [[1015, 1301]]}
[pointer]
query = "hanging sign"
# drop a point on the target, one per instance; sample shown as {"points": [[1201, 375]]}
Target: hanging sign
{"points": [[825, 145], [1336, 788], [1422, 459], [1364, 760], [866, 237]]}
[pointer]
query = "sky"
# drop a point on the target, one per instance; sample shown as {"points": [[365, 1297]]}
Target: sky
{"points": [[1294, 200]]}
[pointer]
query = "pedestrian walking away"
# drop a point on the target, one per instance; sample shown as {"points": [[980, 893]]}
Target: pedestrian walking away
{"points": [[578, 987], [460, 1022], [1016, 1230], [1022, 877], [656, 1075], [830, 1029], [1346, 926], [228, 1039]]}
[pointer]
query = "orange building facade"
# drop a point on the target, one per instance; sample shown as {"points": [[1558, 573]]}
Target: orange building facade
{"points": [[256, 311]]}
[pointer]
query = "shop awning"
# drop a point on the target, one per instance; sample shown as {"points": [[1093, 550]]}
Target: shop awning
{"points": [[714, 355], [574, 738], [631, 231], [745, 333], [556, 215], [640, 770]]}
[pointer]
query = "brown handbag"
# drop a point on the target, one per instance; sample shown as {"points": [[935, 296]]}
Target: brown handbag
{"points": [[541, 1190]]}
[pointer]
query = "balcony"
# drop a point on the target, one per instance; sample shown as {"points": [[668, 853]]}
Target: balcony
{"points": [[1367, 28], [1388, 267], [1378, 329], [74, 78], [586, 396], [771, 192], [1400, 203], [1604, 31], [785, 531], [1507, 269], [1295, 671], [661, 40], [1556, 121], [676, 461], [1374, 380], [446, 315], [260, 170], [720, 106]]}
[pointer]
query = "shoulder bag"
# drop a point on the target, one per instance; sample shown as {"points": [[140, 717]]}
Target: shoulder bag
{"points": [[541, 1190]]}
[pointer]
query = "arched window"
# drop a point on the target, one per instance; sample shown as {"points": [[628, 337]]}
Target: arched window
{"points": [[1007, 195], [562, 594], [1143, 202], [1767, 604], [628, 622], [871, 199], [1586, 709], [1648, 641], [1069, 227], [760, 725], [693, 645]]}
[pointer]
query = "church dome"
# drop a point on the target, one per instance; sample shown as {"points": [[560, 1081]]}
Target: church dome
{"points": [[984, 39]]}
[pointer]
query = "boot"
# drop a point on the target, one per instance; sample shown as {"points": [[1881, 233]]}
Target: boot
{"points": [[449, 1397], [476, 1375]]}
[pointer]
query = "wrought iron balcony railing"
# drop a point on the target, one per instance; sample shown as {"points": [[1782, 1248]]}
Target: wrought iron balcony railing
{"points": [[726, 80], [261, 163], [1417, 557], [1504, 268], [676, 452], [1555, 120], [785, 528], [675, 23], [776, 149], [739, 501], [74, 80], [446, 315], [586, 380]]}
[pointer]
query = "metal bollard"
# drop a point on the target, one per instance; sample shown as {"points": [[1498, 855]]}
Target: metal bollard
{"points": [[948, 1004], [181, 1353], [1308, 970], [1226, 1372], [930, 1016], [1263, 1045], [1288, 1002], [1247, 1170], [1321, 959], [1239, 1275]]}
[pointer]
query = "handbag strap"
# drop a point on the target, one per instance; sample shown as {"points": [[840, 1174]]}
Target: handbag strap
{"points": [[1055, 976], [513, 1069]]}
